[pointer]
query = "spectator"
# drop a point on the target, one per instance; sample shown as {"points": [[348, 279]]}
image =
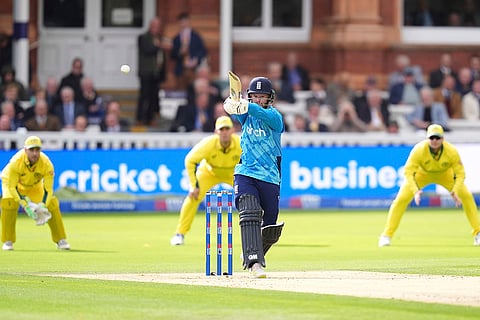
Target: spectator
{"points": [[283, 90], [424, 16], [73, 79], [8, 108], [41, 120], [428, 111], [339, 90], [319, 117], [445, 68], [317, 88], [194, 117], [8, 78], [475, 67], [5, 50], [470, 103], [151, 71], [347, 119], [402, 62], [296, 75], [374, 111], [464, 83], [112, 124], [470, 16], [361, 96], [299, 123], [203, 72], [115, 108], [92, 101], [51, 93], [68, 109], [11, 94], [81, 123], [447, 95], [406, 92], [188, 52], [5, 124], [30, 111], [454, 19]]}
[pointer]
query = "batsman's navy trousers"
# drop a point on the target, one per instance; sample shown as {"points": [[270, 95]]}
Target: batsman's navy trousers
{"points": [[268, 195]]}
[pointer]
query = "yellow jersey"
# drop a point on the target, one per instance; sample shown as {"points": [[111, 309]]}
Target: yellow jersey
{"points": [[209, 155], [421, 160], [19, 176]]}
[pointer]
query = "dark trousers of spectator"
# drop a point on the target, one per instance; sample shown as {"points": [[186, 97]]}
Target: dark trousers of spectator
{"points": [[148, 101]]}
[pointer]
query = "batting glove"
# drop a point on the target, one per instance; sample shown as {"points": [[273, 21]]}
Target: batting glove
{"points": [[235, 107]]}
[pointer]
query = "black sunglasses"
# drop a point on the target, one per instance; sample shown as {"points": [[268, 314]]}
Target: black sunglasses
{"points": [[435, 138]]}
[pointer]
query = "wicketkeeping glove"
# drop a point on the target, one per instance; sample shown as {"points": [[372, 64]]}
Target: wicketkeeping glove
{"points": [[43, 215], [235, 107], [26, 205]]}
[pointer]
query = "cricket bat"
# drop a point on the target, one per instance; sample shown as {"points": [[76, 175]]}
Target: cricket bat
{"points": [[235, 86]]}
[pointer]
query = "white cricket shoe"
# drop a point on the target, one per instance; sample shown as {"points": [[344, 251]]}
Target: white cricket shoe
{"points": [[476, 240], [7, 246], [257, 271], [177, 240], [63, 245], [384, 241]]}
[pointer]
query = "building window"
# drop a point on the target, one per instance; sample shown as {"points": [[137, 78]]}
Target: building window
{"points": [[272, 20], [441, 22], [64, 14]]}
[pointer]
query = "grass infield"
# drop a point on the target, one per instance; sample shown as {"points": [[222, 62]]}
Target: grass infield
{"points": [[428, 242]]}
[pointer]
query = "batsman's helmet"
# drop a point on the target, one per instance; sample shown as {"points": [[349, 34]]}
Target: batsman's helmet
{"points": [[261, 85]]}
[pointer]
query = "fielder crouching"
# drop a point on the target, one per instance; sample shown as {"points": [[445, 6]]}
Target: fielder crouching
{"points": [[257, 176], [27, 181]]}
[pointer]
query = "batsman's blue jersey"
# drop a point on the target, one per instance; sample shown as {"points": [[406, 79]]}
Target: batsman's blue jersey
{"points": [[261, 144]]}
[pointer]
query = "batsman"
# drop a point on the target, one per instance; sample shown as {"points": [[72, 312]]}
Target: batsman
{"points": [[27, 181], [257, 176]]}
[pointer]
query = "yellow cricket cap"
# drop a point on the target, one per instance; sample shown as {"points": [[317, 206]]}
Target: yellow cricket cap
{"points": [[434, 130], [223, 122], [33, 142]]}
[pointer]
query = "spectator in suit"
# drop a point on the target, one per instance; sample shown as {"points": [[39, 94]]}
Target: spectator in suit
{"points": [[195, 117], [188, 51], [402, 62], [299, 123], [470, 103], [41, 120], [112, 124], [445, 68], [319, 117], [73, 79], [203, 76], [447, 95], [283, 89], [339, 89], [296, 75], [68, 109], [51, 93], [317, 88], [374, 111], [115, 108], [406, 92], [347, 119], [8, 108], [427, 111], [464, 83], [92, 101], [152, 66], [475, 67]]}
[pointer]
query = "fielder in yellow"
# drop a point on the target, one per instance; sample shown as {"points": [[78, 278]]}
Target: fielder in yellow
{"points": [[26, 180], [432, 161], [209, 163]]}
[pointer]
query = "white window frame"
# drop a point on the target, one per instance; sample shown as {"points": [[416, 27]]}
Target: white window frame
{"points": [[269, 34], [438, 35]]}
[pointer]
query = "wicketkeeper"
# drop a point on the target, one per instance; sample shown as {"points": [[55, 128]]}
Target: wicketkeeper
{"points": [[27, 181], [432, 161], [209, 163]]}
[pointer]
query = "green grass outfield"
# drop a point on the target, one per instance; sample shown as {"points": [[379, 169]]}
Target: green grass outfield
{"points": [[427, 242]]}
